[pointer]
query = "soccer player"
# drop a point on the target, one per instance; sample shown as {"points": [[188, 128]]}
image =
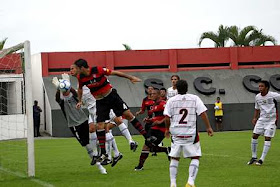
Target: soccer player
{"points": [[218, 114], [107, 98], [157, 130], [172, 91], [265, 120], [90, 103], [163, 94], [181, 112], [147, 104], [76, 119]]}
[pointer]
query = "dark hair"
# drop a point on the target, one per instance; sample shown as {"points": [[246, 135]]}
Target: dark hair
{"points": [[163, 89], [218, 98], [266, 83], [182, 86], [81, 63], [35, 102], [175, 76]]}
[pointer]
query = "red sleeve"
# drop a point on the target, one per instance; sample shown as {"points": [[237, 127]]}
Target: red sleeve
{"points": [[104, 71], [162, 105], [143, 107]]}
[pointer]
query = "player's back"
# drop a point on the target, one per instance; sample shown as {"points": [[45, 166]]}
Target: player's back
{"points": [[183, 110]]}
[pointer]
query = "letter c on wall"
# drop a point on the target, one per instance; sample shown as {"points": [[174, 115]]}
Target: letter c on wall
{"points": [[247, 83], [198, 85], [275, 81]]}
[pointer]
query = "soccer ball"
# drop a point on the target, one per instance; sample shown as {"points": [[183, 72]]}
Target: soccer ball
{"points": [[64, 85]]}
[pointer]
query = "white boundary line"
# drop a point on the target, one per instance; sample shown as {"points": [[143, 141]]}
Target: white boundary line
{"points": [[21, 175]]}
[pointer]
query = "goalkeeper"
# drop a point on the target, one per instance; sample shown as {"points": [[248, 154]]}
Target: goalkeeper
{"points": [[77, 120]]}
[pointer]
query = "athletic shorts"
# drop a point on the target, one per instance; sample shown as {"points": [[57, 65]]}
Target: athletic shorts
{"points": [[112, 101], [81, 132], [189, 149], [158, 134], [219, 118], [92, 117], [266, 129]]}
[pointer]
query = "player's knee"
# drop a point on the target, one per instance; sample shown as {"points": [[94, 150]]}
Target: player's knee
{"points": [[267, 138], [92, 127], [255, 136]]}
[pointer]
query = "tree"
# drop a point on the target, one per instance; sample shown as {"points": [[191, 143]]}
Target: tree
{"points": [[249, 36], [218, 38], [2, 43], [127, 47]]}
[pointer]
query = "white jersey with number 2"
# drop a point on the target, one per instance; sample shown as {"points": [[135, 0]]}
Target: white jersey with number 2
{"points": [[183, 111]]}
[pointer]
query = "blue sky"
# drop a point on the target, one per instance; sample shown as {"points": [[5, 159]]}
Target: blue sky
{"points": [[91, 25]]}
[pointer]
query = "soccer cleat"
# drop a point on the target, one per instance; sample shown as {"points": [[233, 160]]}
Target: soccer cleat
{"points": [[133, 146], [259, 162], [138, 168], [116, 159], [252, 161], [102, 158], [106, 162], [188, 185], [93, 161], [173, 185]]}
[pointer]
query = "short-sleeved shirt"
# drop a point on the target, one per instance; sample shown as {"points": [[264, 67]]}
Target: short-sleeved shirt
{"points": [[219, 112], [183, 111], [171, 92], [96, 81], [88, 99], [157, 110], [147, 105], [267, 105]]}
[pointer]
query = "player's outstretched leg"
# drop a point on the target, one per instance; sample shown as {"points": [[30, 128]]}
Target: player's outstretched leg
{"points": [[101, 136], [144, 155]]}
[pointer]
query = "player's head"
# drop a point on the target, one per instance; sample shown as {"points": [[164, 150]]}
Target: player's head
{"points": [[264, 86], [162, 92], [74, 70], [218, 98], [155, 94], [82, 65], [174, 79], [182, 86], [35, 102], [150, 89]]}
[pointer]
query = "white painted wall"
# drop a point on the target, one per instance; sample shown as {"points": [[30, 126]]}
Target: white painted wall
{"points": [[37, 84]]}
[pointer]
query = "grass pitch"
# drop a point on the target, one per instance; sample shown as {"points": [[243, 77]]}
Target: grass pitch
{"points": [[63, 162]]}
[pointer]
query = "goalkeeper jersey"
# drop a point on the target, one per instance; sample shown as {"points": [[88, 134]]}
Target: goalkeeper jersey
{"points": [[219, 112], [68, 104]]}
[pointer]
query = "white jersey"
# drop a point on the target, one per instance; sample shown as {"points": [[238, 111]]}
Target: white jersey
{"points": [[88, 98], [171, 92], [183, 111], [267, 106]]}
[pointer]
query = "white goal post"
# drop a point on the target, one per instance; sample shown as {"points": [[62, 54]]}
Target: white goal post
{"points": [[26, 103]]}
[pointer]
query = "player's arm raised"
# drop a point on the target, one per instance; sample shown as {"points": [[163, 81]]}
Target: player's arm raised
{"points": [[132, 78], [205, 119]]}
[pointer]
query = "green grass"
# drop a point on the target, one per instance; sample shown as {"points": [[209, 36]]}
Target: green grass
{"points": [[63, 162]]}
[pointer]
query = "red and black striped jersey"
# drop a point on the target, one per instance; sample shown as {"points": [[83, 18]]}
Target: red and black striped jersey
{"points": [[157, 110], [147, 105], [96, 81]]}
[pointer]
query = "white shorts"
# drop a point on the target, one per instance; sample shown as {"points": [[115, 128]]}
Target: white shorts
{"points": [[189, 149], [266, 129]]}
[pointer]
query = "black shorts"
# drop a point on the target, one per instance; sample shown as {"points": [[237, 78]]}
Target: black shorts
{"points": [[219, 118], [148, 127], [81, 132], [158, 134], [112, 101]]}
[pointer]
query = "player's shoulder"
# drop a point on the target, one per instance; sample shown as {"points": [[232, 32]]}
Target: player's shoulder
{"points": [[170, 89]]}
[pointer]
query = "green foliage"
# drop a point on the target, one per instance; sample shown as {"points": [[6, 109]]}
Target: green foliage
{"points": [[2, 43], [63, 162], [248, 36], [127, 47]]}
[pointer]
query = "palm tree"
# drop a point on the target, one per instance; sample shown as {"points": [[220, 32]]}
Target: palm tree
{"points": [[127, 47], [2, 43], [219, 38], [249, 36]]}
